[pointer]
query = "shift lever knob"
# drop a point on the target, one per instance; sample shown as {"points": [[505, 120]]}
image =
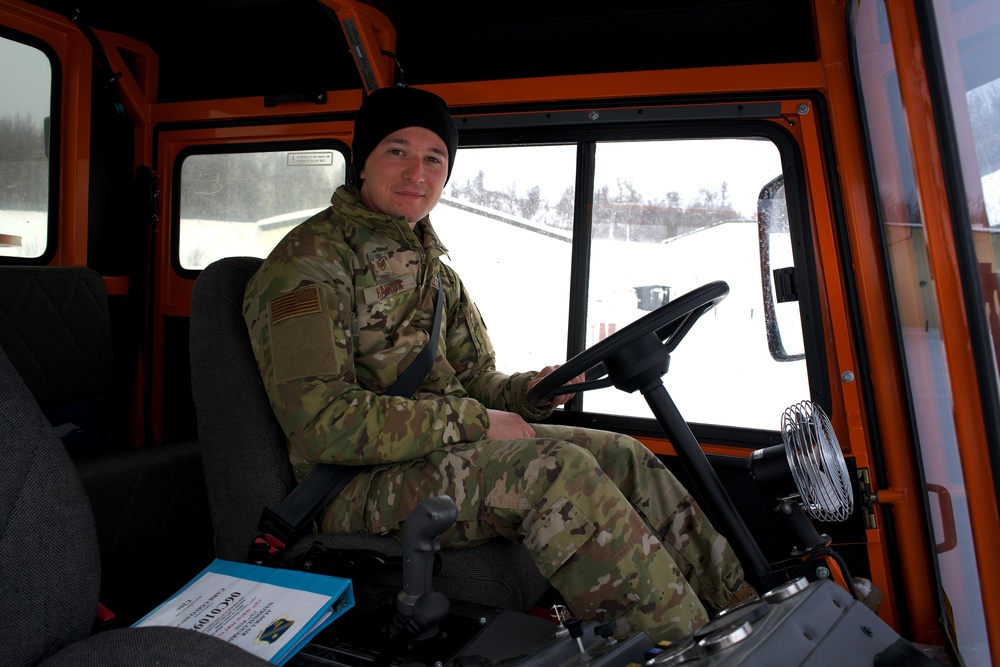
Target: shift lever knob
{"points": [[421, 540]]}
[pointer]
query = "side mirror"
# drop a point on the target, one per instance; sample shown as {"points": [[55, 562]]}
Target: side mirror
{"points": [[777, 274]]}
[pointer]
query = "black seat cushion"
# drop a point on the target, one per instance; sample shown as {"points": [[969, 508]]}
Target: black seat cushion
{"points": [[56, 330]]}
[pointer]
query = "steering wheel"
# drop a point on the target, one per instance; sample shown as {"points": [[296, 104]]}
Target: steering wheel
{"points": [[635, 357]]}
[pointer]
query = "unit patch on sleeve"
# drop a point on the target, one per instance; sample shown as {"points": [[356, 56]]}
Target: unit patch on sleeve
{"points": [[303, 342]]}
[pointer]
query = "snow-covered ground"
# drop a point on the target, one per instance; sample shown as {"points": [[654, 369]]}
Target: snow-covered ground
{"points": [[721, 373], [30, 226]]}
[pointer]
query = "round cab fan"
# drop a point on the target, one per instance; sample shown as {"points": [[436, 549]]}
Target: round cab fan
{"points": [[806, 474]]}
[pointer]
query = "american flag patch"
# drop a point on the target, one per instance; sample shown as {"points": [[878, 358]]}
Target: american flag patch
{"points": [[303, 301]]}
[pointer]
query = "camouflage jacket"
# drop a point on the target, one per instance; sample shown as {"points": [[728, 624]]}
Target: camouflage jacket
{"points": [[338, 309]]}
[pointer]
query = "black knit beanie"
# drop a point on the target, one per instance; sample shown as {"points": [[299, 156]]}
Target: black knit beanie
{"points": [[389, 109]]}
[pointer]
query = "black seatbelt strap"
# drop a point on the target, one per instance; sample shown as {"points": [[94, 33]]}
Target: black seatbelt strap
{"points": [[294, 515], [414, 374]]}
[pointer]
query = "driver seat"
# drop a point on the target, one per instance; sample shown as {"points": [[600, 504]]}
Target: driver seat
{"points": [[247, 468]]}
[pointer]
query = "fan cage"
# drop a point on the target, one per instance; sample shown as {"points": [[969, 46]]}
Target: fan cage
{"points": [[816, 462]]}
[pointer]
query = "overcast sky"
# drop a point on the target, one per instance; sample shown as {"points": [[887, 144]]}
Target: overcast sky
{"points": [[653, 168], [25, 81]]}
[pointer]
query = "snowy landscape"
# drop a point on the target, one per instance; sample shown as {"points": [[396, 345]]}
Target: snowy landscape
{"points": [[721, 373]]}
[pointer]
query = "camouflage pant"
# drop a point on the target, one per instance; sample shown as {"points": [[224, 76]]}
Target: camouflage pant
{"points": [[612, 529]]}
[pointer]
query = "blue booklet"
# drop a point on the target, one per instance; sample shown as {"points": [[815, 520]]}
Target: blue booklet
{"points": [[269, 612]]}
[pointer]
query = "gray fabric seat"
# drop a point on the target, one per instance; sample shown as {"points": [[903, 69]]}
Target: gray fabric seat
{"points": [[247, 467], [51, 567], [57, 331]]}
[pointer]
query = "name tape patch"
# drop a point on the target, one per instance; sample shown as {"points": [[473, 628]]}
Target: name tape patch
{"points": [[393, 286]]}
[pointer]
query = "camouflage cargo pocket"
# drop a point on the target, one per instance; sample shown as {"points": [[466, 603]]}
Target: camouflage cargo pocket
{"points": [[555, 534]]}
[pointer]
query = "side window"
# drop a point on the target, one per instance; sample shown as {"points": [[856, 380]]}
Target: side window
{"points": [[984, 105], [235, 204], [668, 216], [26, 82], [506, 217]]}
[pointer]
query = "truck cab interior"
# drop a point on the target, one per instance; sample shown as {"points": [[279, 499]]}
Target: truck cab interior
{"points": [[746, 328]]}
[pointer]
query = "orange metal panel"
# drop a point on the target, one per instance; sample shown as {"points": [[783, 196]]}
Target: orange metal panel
{"points": [[596, 87], [139, 81], [697, 81], [849, 420], [248, 108], [138, 87], [116, 285], [375, 36]]}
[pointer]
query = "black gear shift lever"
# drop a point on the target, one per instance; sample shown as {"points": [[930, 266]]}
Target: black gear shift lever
{"points": [[418, 608]]}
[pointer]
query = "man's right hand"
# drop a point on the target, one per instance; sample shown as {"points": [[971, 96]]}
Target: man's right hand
{"points": [[507, 426]]}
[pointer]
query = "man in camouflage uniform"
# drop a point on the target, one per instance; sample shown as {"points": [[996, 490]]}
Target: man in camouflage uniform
{"points": [[346, 301]]}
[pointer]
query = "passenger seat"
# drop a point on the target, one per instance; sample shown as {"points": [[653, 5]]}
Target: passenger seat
{"points": [[49, 559], [56, 330], [149, 502]]}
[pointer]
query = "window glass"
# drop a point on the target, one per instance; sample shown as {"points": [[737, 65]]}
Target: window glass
{"points": [[918, 314], [242, 204], [984, 109], [506, 218], [25, 103], [671, 216], [968, 35], [668, 216]]}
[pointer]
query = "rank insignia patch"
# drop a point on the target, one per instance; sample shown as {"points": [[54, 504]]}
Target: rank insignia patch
{"points": [[379, 260]]}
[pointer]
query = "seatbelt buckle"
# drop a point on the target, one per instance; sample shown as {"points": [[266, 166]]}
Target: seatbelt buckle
{"points": [[104, 619], [272, 524], [275, 536], [265, 550]]}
